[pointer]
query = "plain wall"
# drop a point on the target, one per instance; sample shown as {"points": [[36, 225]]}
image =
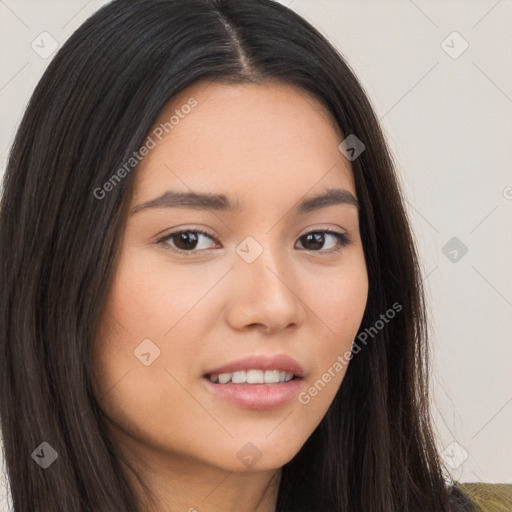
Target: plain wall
{"points": [[448, 120]]}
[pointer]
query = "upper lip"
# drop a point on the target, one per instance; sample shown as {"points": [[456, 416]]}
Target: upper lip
{"points": [[281, 362]]}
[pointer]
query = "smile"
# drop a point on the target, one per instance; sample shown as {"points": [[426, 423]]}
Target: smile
{"points": [[252, 376]]}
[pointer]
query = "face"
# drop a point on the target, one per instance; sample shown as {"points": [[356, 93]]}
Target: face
{"points": [[217, 302]]}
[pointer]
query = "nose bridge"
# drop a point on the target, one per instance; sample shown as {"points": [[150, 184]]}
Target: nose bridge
{"points": [[265, 277], [262, 259]]}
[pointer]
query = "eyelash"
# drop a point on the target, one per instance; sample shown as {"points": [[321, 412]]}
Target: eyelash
{"points": [[343, 239]]}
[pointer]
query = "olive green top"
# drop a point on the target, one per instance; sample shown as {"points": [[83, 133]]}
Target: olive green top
{"points": [[489, 497]]}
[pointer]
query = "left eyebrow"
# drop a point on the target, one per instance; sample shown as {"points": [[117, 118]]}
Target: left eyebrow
{"points": [[220, 202], [332, 196]]}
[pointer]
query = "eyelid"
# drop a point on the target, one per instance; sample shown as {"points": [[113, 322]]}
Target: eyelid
{"points": [[163, 239], [328, 228], [343, 238]]}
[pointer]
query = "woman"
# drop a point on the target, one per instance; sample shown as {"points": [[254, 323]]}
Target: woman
{"points": [[210, 294]]}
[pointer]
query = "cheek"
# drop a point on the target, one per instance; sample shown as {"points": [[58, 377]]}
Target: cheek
{"points": [[342, 303], [159, 309], [338, 296], [338, 301], [155, 297]]}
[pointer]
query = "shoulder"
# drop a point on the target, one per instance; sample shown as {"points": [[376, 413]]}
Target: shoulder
{"points": [[480, 497], [460, 501]]}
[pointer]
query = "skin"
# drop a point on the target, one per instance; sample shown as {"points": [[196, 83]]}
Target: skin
{"points": [[267, 146]]}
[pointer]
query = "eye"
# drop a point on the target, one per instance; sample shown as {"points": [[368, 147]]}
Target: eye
{"points": [[191, 241], [315, 240], [186, 241]]}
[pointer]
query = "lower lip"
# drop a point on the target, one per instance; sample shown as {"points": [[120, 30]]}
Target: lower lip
{"points": [[261, 397]]}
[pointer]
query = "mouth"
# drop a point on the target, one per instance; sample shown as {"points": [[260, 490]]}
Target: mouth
{"points": [[257, 382], [252, 376]]}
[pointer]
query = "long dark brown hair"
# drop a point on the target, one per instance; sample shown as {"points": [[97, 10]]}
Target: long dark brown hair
{"points": [[93, 107]]}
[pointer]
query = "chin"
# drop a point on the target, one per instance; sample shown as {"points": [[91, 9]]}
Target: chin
{"points": [[258, 453]]}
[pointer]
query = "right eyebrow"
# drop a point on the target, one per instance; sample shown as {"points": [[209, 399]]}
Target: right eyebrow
{"points": [[174, 199]]}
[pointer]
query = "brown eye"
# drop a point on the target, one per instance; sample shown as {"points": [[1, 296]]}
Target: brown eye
{"points": [[187, 240], [315, 240]]}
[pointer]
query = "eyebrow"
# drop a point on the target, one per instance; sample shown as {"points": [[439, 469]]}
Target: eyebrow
{"points": [[220, 202]]}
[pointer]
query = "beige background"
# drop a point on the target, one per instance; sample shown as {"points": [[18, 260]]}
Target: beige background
{"points": [[449, 123]]}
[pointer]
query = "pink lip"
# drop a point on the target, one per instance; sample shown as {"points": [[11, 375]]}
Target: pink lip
{"points": [[280, 362], [258, 396]]}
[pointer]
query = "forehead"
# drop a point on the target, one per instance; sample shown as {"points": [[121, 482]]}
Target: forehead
{"points": [[244, 140]]}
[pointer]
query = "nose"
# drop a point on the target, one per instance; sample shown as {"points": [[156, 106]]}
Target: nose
{"points": [[266, 294]]}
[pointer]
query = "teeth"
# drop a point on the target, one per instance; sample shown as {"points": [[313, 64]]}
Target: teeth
{"points": [[239, 377], [224, 377], [252, 377], [255, 377], [271, 376]]}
